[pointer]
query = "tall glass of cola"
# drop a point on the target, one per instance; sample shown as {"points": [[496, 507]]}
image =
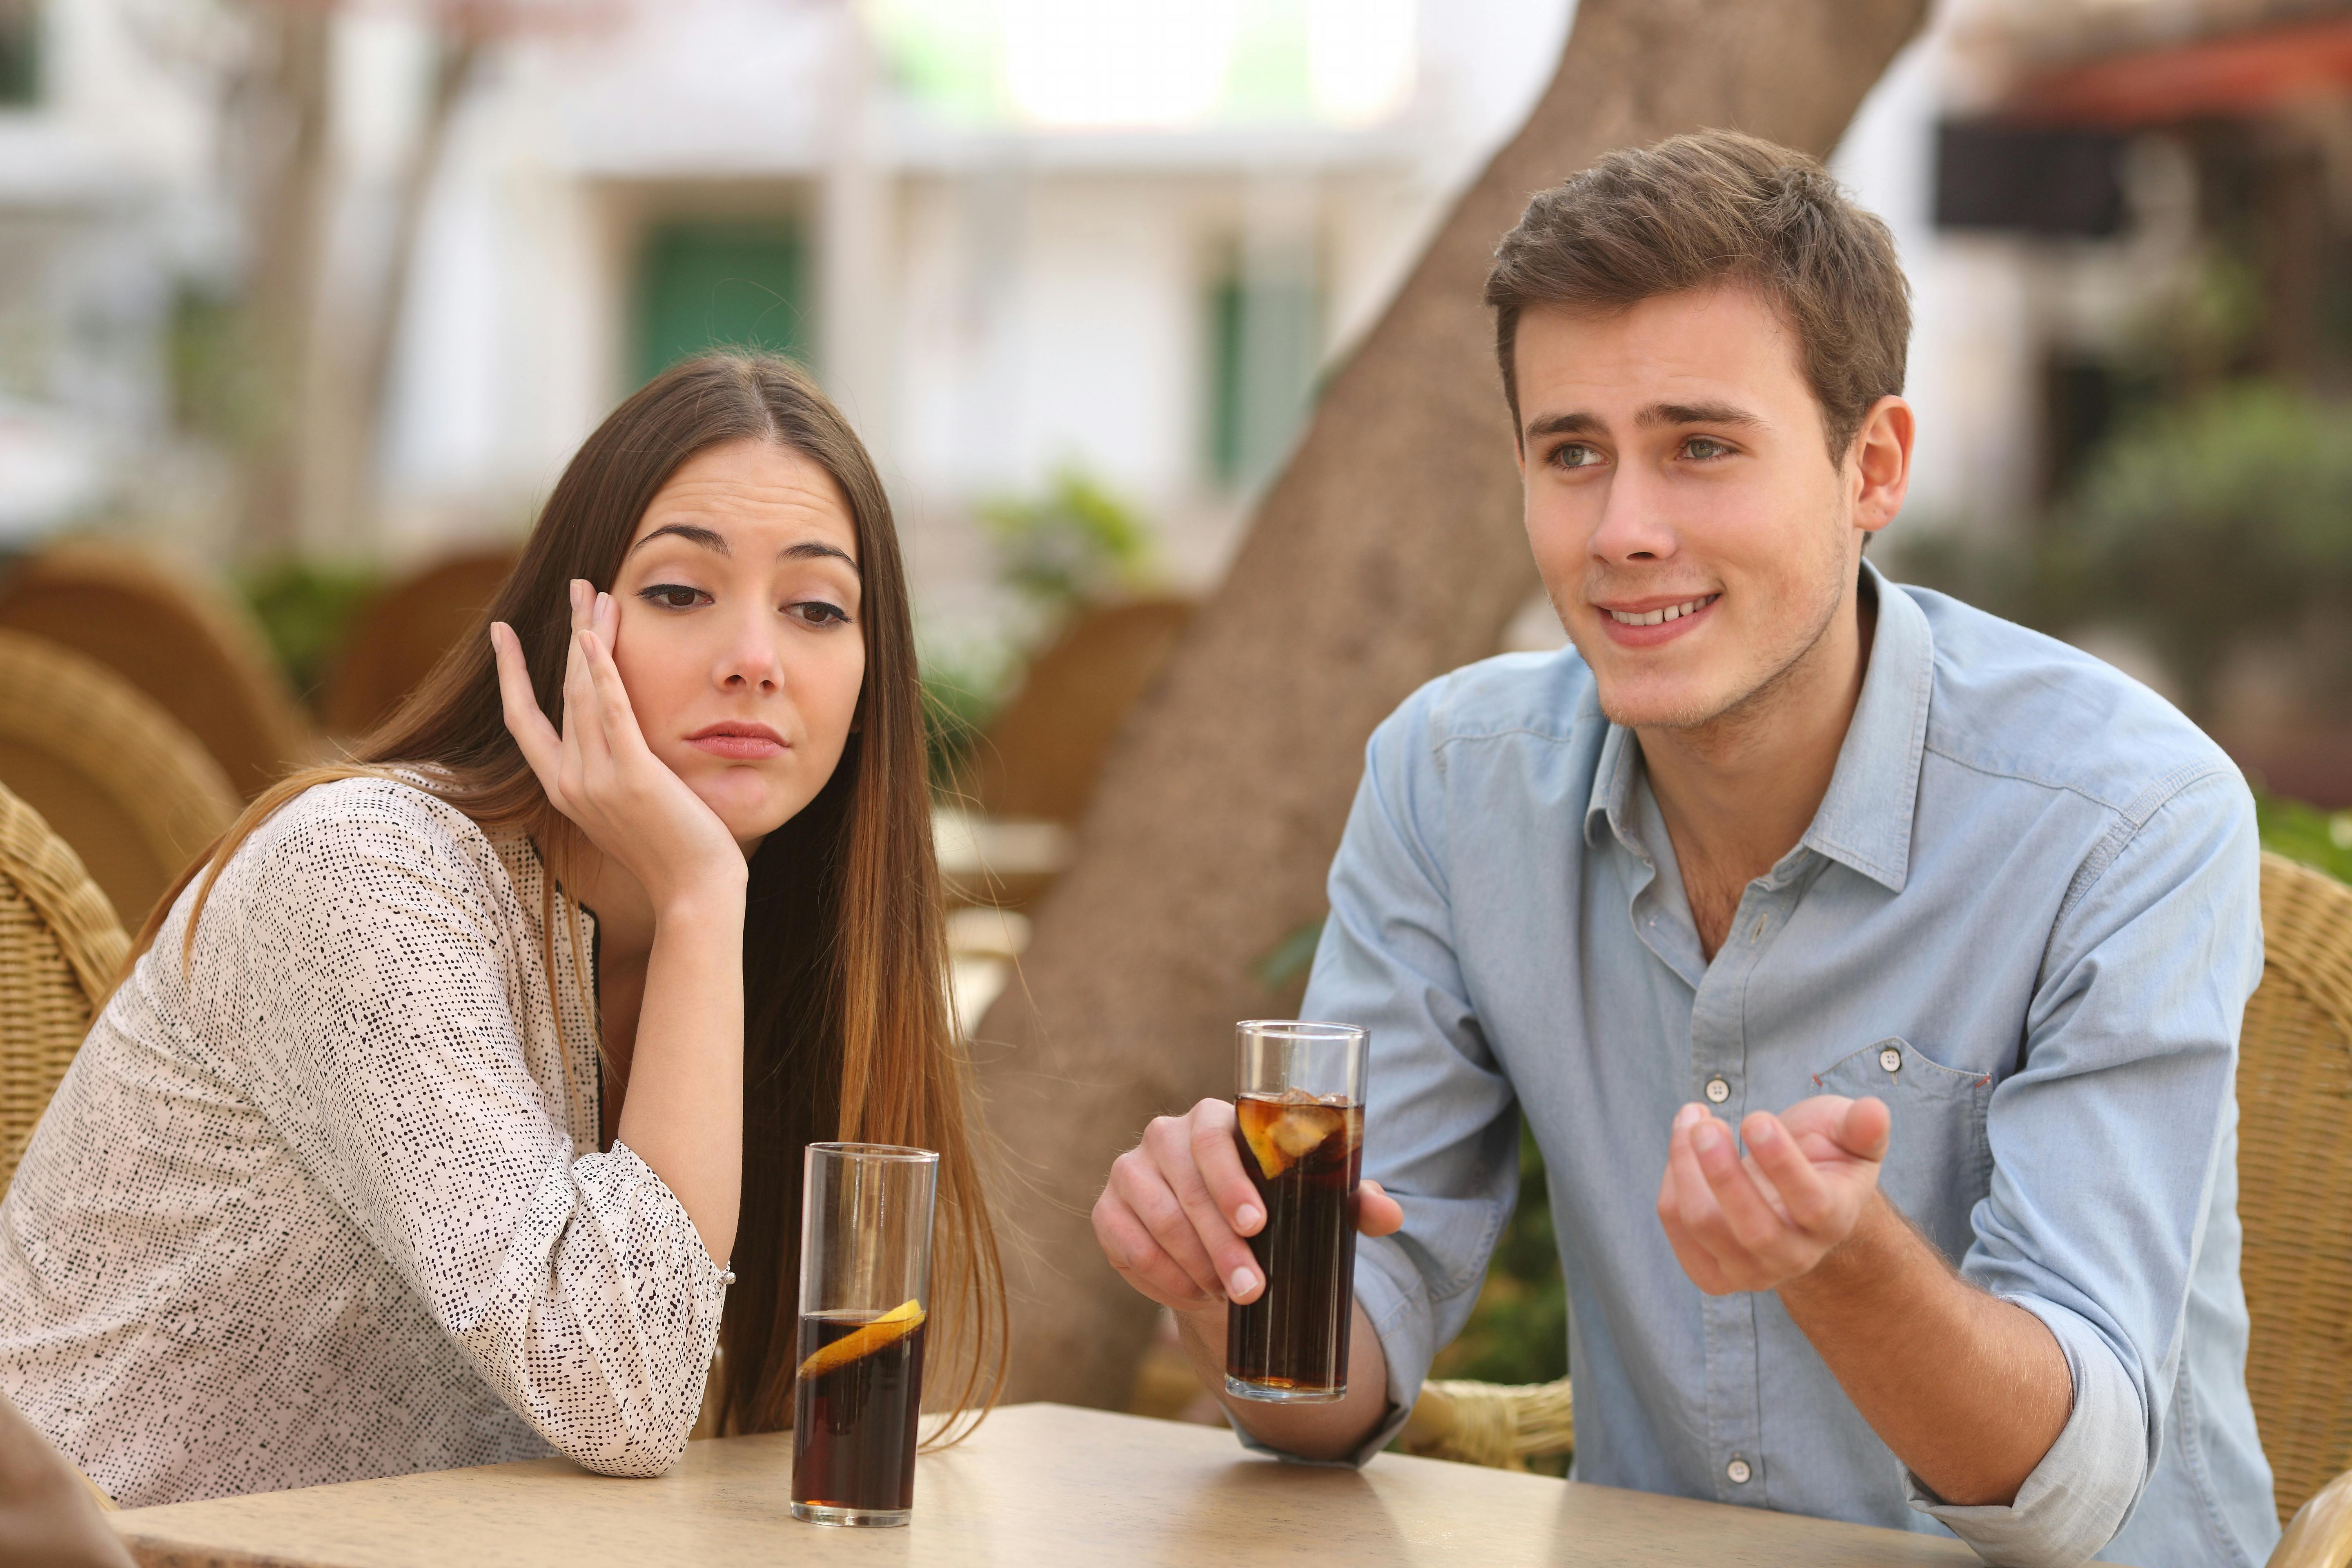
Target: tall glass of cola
{"points": [[1300, 1126], [865, 1285]]}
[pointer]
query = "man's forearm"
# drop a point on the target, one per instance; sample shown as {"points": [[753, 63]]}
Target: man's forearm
{"points": [[1330, 1431], [1969, 1391]]}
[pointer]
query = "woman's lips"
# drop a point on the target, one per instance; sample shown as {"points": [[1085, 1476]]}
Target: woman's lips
{"points": [[739, 742]]}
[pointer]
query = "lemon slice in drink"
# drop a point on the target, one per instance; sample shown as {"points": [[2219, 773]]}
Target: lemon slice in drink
{"points": [[888, 1329]]}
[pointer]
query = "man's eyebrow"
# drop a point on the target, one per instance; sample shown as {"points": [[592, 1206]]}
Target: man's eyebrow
{"points": [[815, 550], [692, 533], [1578, 424], [1696, 413]]}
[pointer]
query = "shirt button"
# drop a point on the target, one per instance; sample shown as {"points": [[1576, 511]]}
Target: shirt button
{"points": [[1718, 1090], [1891, 1059], [1738, 1472]]}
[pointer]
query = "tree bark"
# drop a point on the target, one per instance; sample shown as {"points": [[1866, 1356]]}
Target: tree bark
{"points": [[1390, 551]]}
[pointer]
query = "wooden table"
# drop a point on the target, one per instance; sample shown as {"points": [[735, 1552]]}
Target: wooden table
{"points": [[1040, 1486]]}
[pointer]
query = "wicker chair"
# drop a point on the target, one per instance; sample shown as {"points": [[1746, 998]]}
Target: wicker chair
{"points": [[195, 653], [2294, 1199], [404, 632], [111, 773], [60, 947]]}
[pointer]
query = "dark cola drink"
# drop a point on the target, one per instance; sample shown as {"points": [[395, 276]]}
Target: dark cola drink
{"points": [[854, 1410], [1303, 1153]]}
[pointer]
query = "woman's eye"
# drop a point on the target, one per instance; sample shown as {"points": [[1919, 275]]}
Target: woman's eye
{"points": [[817, 613], [675, 595]]}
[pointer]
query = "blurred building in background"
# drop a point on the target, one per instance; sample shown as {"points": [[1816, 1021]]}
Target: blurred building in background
{"points": [[1032, 242]]}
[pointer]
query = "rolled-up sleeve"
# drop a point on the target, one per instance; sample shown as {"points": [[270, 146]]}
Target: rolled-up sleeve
{"points": [[383, 1047], [2108, 1144], [1440, 1125]]}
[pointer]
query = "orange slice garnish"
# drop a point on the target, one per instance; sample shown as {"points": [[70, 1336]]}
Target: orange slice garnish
{"points": [[888, 1329]]}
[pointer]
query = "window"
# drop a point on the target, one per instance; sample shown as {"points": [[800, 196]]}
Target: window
{"points": [[1265, 344], [20, 54], [721, 283]]}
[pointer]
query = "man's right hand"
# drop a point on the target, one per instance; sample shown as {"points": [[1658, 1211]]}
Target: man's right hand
{"points": [[1174, 1218]]}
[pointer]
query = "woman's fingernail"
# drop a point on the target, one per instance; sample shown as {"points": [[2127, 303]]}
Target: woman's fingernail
{"points": [[1244, 1282], [1247, 1216]]}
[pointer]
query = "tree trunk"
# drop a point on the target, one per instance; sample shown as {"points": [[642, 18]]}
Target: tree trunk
{"points": [[280, 308], [1389, 552]]}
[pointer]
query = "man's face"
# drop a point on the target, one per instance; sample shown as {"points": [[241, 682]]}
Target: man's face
{"points": [[1691, 529]]}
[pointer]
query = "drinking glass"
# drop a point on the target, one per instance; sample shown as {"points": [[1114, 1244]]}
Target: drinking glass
{"points": [[1298, 1115], [865, 1283]]}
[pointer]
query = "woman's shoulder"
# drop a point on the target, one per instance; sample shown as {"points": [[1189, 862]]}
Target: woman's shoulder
{"points": [[372, 822]]}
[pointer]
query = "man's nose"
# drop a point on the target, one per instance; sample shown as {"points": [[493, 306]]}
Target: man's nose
{"points": [[1633, 525]]}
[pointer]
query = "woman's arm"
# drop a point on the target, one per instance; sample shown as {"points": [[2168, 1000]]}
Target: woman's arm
{"points": [[683, 1114]]}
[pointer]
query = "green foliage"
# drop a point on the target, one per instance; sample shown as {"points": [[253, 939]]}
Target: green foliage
{"points": [[2317, 838], [305, 607], [2212, 525], [1075, 543]]}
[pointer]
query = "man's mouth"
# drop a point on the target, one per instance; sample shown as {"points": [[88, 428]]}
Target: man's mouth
{"points": [[1662, 614]]}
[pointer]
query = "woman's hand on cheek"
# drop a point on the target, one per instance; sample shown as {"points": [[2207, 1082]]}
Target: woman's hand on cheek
{"points": [[601, 773]]}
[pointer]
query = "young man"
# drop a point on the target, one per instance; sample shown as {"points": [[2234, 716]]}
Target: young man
{"points": [[1868, 969]]}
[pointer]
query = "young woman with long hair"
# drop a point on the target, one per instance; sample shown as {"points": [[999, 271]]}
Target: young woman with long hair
{"points": [[453, 1110]]}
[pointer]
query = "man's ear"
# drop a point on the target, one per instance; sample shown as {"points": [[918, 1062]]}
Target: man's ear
{"points": [[1880, 463]]}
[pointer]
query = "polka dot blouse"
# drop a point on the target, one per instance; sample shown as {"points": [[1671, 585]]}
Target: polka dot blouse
{"points": [[330, 1205]]}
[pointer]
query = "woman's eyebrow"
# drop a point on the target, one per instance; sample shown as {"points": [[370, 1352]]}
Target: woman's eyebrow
{"points": [[693, 534], [812, 549]]}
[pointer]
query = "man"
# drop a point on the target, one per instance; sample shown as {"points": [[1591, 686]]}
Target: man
{"points": [[1868, 969]]}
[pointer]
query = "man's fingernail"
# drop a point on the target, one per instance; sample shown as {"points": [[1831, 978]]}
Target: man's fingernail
{"points": [[1763, 1132], [1244, 1282], [1686, 1115], [1247, 1214], [1707, 1140]]}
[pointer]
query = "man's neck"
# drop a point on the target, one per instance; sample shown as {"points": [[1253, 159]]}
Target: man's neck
{"points": [[1738, 793]]}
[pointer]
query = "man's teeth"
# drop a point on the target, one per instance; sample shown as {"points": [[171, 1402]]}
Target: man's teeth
{"points": [[1671, 613]]}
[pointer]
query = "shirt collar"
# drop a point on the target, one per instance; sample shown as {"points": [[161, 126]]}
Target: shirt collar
{"points": [[1864, 820]]}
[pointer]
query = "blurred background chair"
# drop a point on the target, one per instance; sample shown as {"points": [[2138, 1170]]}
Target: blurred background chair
{"points": [[195, 653], [2294, 1199], [60, 949], [112, 772], [402, 633]]}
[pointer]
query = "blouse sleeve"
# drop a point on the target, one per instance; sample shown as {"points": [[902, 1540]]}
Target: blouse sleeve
{"points": [[371, 1010]]}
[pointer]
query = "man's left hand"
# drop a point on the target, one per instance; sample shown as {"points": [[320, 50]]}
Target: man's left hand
{"points": [[1758, 1222]]}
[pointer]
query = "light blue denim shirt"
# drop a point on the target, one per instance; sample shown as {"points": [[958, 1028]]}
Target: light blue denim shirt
{"points": [[2026, 916]]}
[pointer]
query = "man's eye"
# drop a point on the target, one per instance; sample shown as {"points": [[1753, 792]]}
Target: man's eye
{"points": [[1576, 455], [675, 595], [817, 613], [1703, 447]]}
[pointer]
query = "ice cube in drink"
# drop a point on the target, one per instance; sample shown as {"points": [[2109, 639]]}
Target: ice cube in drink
{"points": [[854, 1410], [1303, 1153]]}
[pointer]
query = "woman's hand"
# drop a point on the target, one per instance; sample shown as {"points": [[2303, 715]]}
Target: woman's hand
{"points": [[599, 773]]}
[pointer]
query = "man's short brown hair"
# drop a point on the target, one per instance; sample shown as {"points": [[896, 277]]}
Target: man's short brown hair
{"points": [[1715, 206]]}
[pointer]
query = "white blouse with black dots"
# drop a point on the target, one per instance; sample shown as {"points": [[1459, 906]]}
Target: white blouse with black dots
{"points": [[330, 1205]]}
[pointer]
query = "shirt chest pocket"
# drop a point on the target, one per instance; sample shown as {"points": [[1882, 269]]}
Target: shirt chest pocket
{"points": [[1938, 1163]]}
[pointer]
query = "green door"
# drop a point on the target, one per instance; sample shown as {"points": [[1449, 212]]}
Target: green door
{"points": [[721, 283]]}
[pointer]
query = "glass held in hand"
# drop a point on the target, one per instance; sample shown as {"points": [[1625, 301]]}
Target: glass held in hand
{"points": [[1298, 1115], [864, 1297]]}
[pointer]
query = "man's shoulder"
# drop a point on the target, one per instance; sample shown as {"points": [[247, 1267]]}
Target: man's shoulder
{"points": [[2010, 702], [1543, 696]]}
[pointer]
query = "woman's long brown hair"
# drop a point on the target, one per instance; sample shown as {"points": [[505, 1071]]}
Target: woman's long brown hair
{"points": [[846, 1032]]}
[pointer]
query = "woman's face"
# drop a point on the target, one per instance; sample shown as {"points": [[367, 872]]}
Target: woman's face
{"points": [[739, 639]]}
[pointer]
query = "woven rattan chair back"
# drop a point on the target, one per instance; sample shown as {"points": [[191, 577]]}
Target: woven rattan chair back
{"points": [[2295, 1180], [404, 632], [193, 652], [109, 772], [1040, 757], [60, 947]]}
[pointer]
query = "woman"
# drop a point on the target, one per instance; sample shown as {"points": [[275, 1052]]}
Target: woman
{"points": [[424, 1127]]}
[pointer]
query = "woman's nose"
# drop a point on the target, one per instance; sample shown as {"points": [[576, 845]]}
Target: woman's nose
{"points": [[749, 661]]}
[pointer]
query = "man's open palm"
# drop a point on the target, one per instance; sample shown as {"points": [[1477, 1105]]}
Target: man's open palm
{"points": [[1756, 1222]]}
